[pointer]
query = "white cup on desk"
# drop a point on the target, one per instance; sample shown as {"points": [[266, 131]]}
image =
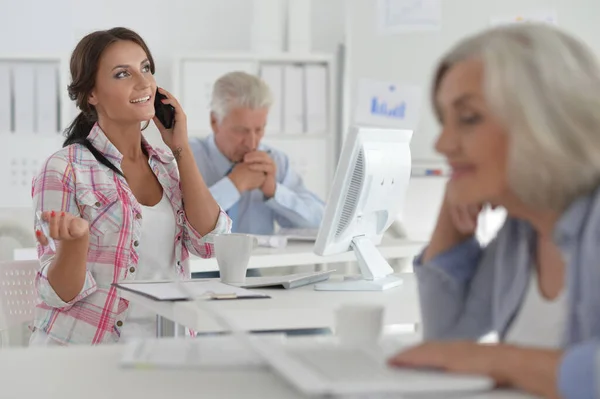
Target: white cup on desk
{"points": [[359, 324], [233, 254]]}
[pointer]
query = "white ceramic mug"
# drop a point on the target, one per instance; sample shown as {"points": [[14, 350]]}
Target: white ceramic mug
{"points": [[233, 254], [359, 324]]}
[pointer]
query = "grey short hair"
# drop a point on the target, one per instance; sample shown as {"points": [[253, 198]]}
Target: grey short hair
{"points": [[544, 86], [239, 89]]}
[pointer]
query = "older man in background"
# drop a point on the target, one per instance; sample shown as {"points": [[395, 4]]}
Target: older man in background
{"points": [[253, 182]]}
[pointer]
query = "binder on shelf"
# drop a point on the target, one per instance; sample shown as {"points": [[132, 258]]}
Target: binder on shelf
{"points": [[24, 94], [5, 102], [317, 87], [273, 77], [46, 98], [294, 100]]}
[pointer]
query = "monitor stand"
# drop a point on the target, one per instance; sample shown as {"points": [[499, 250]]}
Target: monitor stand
{"points": [[376, 273]]}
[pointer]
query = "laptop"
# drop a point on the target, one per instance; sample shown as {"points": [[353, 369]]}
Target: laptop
{"points": [[298, 234], [287, 281]]}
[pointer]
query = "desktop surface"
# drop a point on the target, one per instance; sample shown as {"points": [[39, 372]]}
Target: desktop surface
{"points": [[57, 373], [301, 253], [297, 308]]}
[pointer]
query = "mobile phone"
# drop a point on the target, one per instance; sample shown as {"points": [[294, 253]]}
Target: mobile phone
{"points": [[45, 228], [164, 112]]}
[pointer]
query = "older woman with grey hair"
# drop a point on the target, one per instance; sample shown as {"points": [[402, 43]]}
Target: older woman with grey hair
{"points": [[519, 108]]}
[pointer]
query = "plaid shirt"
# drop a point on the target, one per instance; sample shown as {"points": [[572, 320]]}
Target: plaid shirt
{"points": [[72, 180]]}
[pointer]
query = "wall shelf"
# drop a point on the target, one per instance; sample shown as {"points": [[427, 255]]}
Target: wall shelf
{"points": [[312, 154]]}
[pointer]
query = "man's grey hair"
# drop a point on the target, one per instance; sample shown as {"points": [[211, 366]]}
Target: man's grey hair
{"points": [[544, 86], [239, 89]]}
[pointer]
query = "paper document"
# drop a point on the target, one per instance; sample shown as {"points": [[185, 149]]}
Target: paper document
{"points": [[388, 104], [215, 351], [539, 16], [398, 16], [170, 291]]}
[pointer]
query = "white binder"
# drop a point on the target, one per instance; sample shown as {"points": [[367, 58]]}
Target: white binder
{"points": [[316, 98], [46, 98], [24, 92], [5, 103], [273, 77], [294, 100]]}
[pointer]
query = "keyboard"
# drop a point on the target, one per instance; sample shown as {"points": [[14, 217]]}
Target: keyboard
{"points": [[345, 365], [299, 234]]}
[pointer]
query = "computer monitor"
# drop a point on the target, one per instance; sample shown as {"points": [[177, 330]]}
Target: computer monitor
{"points": [[368, 191]]}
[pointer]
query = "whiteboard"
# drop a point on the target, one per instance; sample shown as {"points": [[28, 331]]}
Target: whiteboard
{"points": [[410, 57]]}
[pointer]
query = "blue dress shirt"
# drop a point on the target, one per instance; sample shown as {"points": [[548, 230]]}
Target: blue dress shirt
{"points": [[292, 206]]}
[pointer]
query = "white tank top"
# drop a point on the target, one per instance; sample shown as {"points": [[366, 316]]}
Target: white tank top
{"points": [[156, 257], [540, 322]]}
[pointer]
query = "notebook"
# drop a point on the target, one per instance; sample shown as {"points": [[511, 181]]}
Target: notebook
{"points": [[170, 290]]}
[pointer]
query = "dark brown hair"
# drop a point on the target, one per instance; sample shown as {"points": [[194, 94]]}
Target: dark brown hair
{"points": [[84, 67]]}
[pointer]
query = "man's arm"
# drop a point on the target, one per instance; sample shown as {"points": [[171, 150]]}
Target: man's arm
{"points": [[225, 193], [223, 190]]}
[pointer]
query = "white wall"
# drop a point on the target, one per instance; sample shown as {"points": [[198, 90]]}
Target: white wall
{"points": [[51, 28]]}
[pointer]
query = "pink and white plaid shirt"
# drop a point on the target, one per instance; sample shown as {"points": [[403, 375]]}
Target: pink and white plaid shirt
{"points": [[73, 181]]}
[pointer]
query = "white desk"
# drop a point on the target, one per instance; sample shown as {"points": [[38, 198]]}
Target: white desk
{"points": [[301, 253], [295, 254], [94, 373], [290, 309]]}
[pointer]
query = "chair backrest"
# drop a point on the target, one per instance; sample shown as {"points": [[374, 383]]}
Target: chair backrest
{"points": [[17, 292]]}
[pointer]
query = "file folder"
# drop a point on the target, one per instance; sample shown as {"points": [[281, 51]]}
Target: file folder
{"points": [[316, 98], [5, 99], [273, 77], [294, 99], [46, 98], [24, 94]]}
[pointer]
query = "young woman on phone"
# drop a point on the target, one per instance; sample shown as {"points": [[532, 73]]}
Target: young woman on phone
{"points": [[117, 208], [520, 127]]}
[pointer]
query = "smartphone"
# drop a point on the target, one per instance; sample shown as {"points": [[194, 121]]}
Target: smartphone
{"points": [[164, 112], [45, 228]]}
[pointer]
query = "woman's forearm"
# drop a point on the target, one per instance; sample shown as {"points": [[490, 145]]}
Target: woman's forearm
{"points": [[445, 235], [67, 272], [531, 370], [200, 207]]}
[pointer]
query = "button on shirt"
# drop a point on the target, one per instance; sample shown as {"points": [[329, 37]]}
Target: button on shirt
{"points": [[293, 205]]}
